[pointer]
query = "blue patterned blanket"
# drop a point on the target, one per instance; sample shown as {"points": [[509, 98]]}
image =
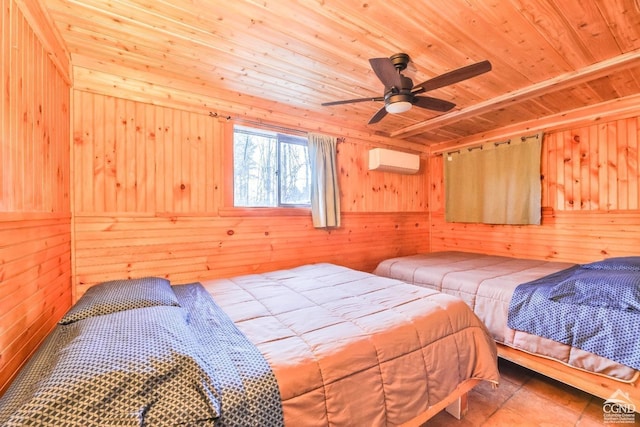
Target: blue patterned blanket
{"points": [[588, 307], [145, 361]]}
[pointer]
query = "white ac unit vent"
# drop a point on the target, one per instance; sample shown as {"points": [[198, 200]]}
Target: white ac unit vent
{"points": [[381, 159]]}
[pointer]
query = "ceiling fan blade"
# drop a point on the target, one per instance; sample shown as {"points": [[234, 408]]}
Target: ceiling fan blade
{"points": [[386, 72], [349, 101], [453, 76], [432, 103], [378, 116]]}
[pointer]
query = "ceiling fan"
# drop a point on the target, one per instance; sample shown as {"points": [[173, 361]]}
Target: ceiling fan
{"points": [[400, 94]]}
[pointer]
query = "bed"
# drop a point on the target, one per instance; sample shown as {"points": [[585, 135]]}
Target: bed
{"points": [[315, 345], [490, 285]]}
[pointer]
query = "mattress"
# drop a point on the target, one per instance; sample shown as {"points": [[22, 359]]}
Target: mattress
{"points": [[351, 348], [486, 283]]}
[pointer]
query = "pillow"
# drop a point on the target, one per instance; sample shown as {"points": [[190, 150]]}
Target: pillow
{"points": [[630, 263], [617, 289], [120, 295], [130, 368]]}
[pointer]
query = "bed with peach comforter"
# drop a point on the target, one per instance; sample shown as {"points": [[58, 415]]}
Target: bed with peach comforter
{"points": [[352, 348], [487, 283]]}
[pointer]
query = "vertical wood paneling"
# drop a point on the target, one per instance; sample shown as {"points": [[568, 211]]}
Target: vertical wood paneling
{"points": [[593, 167], [603, 168], [142, 158], [35, 224], [611, 144], [171, 165], [590, 200], [632, 163], [622, 162], [5, 46], [34, 122]]}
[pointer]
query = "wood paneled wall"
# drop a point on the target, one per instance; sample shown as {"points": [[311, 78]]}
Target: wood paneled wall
{"points": [[593, 168], [149, 199], [590, 195], [35, 213], [190, 248], [35, 286]]}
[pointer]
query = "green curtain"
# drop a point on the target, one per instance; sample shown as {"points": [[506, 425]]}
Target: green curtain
{"points": [[325, 194], [497, 183]]}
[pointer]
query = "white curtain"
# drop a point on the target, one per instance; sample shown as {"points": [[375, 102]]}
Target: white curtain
{"points": [[498, 183], [325, 194]]}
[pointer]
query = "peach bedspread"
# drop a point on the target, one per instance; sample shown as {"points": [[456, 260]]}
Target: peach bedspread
{"points": [[486, 283], [352, 348]]}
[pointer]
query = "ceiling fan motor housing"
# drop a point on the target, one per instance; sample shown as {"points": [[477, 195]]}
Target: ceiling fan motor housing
{"points": [[400, 60], [392, 97]]}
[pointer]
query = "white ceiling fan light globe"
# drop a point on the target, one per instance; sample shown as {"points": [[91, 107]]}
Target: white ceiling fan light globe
{"points": [[398, 107], [396, 103]]}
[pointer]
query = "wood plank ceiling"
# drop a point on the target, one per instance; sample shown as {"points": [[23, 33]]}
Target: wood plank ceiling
{"points": [[548, 56]]}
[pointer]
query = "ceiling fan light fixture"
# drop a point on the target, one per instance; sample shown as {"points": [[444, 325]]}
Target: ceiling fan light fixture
{"points": [[398, 103], [398, 107]]}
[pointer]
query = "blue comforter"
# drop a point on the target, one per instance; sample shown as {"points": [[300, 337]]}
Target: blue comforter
{"points": [[593, 309], [158, 364]]}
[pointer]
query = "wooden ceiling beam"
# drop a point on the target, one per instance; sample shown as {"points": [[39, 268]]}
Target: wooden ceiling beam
{"points": [[610, 110], [564, 81]]}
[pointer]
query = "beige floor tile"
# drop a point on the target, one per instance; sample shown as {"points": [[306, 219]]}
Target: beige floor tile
{"points": [[562, 394], [525, 398], [539, 410], [509, 417]]}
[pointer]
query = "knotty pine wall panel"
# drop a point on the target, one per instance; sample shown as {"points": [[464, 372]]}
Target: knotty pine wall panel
{"points": [[140, 158], [151, 194], [35, 212], [35, 286], [590, 197], [190, 248]]}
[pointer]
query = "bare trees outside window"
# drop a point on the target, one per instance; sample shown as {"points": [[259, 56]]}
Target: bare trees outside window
{"points": [[270, 169]]}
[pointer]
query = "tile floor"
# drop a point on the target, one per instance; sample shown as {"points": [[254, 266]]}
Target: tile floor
{"points": [[525, 398]]}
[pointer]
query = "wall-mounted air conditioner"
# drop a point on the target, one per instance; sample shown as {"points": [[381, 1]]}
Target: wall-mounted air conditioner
{"points": [[381, 159]]}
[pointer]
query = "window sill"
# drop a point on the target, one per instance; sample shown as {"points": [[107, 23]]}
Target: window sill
{"points": [[264, 212]]}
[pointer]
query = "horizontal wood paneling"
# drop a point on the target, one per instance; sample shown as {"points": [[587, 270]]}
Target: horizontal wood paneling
{"points": [[193, 248], [590, 197], [35, 212], [573, 236], [35, 284]]}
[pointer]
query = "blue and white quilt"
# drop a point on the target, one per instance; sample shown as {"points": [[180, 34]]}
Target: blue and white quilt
{"points": [[144, 354], [594, 307]]}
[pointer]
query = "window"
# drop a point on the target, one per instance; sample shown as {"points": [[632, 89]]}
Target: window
{"points": [[270, 169]]}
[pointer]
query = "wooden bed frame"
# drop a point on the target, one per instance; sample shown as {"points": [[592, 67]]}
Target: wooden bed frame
{"points": [[455, 404], [594, 384]]}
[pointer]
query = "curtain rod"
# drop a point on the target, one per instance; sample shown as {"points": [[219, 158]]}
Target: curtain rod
{"points": [[475, 147], [267, 125]]}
